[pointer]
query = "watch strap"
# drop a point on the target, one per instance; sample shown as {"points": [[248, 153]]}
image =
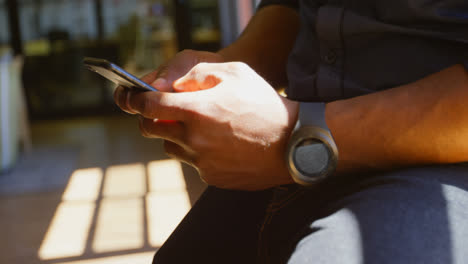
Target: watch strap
{"points": [[312, 114]]}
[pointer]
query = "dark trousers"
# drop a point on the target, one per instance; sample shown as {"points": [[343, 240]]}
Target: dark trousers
{"points": [[415, 215]]}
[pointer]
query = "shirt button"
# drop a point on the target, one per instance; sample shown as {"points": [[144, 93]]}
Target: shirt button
{"points": [[330, 57]]}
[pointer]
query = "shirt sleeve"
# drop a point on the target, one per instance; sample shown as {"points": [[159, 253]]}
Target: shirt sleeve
{"points": [[289, 3]]}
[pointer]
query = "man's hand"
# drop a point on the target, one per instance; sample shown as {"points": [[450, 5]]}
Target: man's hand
{"points": [[235, 133]]}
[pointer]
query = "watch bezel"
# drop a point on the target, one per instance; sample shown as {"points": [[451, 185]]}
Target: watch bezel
{"points": [[311, 133]]}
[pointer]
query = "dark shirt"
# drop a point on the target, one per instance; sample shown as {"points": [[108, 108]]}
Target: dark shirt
{"points": [[354, 47]]}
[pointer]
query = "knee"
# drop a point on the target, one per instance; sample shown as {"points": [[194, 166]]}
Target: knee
{"points": [[381, 226]]}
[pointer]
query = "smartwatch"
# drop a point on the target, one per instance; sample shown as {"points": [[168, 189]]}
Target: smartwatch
{"points": [[312, 155]]}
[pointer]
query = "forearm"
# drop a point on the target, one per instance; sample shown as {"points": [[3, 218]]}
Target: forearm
{"points": [[425, 122], [266, 42]]}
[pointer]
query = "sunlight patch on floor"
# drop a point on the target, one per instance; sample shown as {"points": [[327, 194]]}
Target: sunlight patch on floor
{"points": [[165, 211], [166, 176], [84, 185], [167, 202], [138, 209], [68, 231], [125, 181], [120, 225], [140, 258]]}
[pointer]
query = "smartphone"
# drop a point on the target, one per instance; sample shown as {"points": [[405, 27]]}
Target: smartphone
{"points": [[116, 74]]}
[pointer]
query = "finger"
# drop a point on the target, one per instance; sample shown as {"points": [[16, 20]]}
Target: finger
{"points": [[169, 72], [156, 79], [122, 94], [121, 99], [180, 153], [177, 67], [201, 77], [150, 77], [165, 106], [162, 81], [168, 130]]}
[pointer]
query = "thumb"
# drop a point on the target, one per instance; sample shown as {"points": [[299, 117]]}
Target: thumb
{"points": [[164, 106], [171, 71], [199, 78]]}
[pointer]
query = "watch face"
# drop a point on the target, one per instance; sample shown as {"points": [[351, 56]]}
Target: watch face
{"points": [[311, 157]]}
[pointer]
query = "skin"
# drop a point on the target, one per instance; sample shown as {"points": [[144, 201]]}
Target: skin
{"points": [[416, 124], [234, 130], [229, 123]]}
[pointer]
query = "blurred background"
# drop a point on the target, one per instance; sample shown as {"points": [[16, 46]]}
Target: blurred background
{"points": [[78, 184]]}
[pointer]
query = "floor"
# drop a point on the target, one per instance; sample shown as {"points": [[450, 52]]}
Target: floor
{"points": [[121, 201]]}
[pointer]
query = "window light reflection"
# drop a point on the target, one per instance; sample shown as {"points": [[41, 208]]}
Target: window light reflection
{"points": [[165, 211], [125, 181], [138, 258], [84, 185], [120, 225], [165, 176], [68, 231], [168, 201], [120, 209]]}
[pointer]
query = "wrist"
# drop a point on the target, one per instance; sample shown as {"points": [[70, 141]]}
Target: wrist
{"points": [[230, 53], [239, 52], [337, 113], [223, 54]]}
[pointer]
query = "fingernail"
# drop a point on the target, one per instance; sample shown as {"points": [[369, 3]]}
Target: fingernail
{"points": [[160, 82]]}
